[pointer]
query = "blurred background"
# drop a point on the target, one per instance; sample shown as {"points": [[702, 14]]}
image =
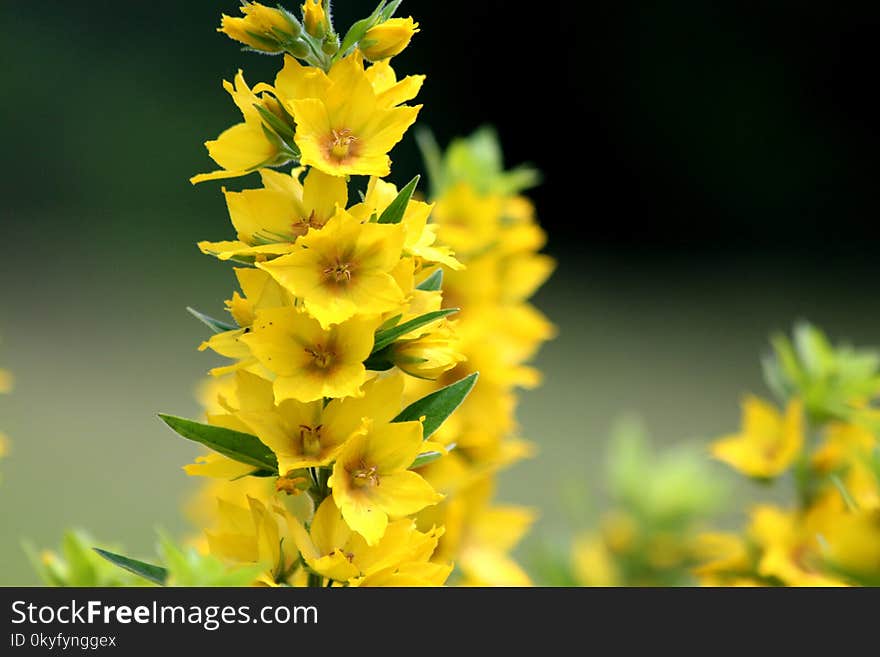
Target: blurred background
{"points": [[709, 178]]}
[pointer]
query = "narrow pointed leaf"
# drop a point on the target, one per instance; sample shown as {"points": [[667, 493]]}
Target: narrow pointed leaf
{"points": [[156, 574], [357, 31], [284, 131], [387, 336], [433, 283], [215, 325], [439, 405], [241, 447], [425, 458], [393, 214]]}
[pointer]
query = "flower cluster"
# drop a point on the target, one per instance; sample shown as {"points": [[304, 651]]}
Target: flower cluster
{"points": [[336, 459], [824, 441], [648, 535], [492, 228]]}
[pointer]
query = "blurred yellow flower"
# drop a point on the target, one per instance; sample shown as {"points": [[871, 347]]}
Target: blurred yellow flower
{"points": [[769, 441]]}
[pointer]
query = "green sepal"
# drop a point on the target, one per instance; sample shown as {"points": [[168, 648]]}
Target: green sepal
{"points": [[241, 447], [156, 574], [280, 127], [438, 406], [393, 214], [214, 324], [387, 336], [379, 361], [433, 283]]}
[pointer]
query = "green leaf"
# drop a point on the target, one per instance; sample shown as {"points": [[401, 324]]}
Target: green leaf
{"points": [[393, 214], [241, 447], [439, 405], [388, 12], [425, 458], [214, 324], [432, 157], [155, 574], [357, 31], [433, 283], [387, 336], [429, 457], [390, 323]]}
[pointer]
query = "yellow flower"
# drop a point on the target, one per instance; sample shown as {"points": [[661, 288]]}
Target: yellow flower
{"points": [[408, 574], [260, 28], [343, 270], [790, 543], [334, 551], [252, 535], [244, 147], [371, 480], [430, 355], [853, 545], [314, 18], [467, 221], [311, 434], [260, 291], [592, 563], [842, 443], [420, 236], [769, 441], [388, 39], [723, 558], [479, 535], [267, 221], [346, 130], [310, 362], [389, 91]]}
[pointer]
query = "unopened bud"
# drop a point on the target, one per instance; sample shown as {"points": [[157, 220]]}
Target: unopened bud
{"points": [[314, 18], [330, 45], [388, 39], [262, 28]]}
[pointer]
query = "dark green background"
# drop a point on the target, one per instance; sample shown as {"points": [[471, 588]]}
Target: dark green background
{"points": [[710, 177]]}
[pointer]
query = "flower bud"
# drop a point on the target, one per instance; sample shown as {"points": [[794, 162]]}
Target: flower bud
{"points": [[428, 356], [262, 28], [330, 45], [388, 39], [314, 18]]}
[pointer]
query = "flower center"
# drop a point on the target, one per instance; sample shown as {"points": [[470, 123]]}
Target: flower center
{"points": [[321, 357], [311, 439], [339, 272], [365, 476], [341, 144]]}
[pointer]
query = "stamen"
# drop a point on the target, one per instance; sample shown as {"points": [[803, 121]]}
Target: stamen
{"points": [[322, 357], [364, 476]]}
